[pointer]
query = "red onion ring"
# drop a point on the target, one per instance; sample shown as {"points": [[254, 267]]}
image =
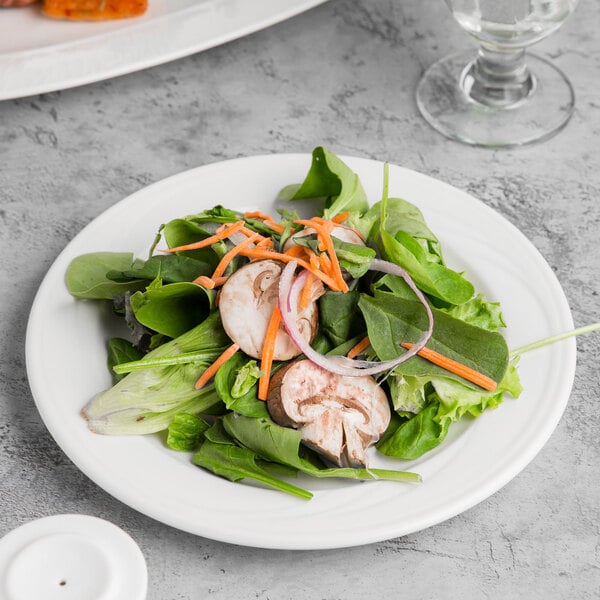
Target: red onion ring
{"points": [[289, 292]]}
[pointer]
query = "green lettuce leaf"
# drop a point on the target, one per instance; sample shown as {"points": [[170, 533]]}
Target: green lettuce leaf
{"points": [[331, 180], [185, 432], [146, 400], [479, 312]]}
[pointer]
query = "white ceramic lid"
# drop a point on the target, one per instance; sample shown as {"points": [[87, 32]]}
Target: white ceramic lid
{"points": [[71, 557]]}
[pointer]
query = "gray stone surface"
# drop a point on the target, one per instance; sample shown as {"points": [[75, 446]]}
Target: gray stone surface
{"points": [[342, 75]]}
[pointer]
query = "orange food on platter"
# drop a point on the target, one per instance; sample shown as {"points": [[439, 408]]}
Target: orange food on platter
{"points": [[94, 10], [7, 3]]}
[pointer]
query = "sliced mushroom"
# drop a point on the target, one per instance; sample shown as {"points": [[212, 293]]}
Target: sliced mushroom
{"points": [[247, 301], [339, 417]]}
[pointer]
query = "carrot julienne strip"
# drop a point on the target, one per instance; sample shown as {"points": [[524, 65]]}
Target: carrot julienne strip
{"points": [[266, 254], [487, 383], [205, 281], [221, 234], [325, 263], [315, 261], [358, 348], [219, 281], [209, 282], [276, 227], [248, 232], [268, 350], [224, 262], [306, 293], [210, 372], [265, 243], [268, 220], [341, 217], [324, 229], [256, 214]]}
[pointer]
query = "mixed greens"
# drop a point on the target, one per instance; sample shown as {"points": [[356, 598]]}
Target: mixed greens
{"points": [[397, 299]]}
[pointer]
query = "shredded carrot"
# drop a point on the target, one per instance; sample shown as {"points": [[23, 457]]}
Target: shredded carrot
{"points": [[256, 214], [224, 262], [341, 217], [299, 251], [268, 254], [214, 367], [324, 229], [205, 281], [268, 350], [325, 263], [306, 293], [210, 282], [336, 220], [315, 262], [487, 383], [248, 232], [358, 348], [219, 281], [265, 243], [276, 227], [268, 220], [221, 233]]}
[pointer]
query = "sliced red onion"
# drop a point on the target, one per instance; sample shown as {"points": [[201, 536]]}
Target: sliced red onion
{"points": [[289, 292]]}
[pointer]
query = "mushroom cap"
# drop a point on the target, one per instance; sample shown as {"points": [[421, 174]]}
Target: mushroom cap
{"points": [[339, 417], [247, 301]]}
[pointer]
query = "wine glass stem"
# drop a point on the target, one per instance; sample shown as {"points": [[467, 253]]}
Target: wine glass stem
{"points": [[498, 78]]}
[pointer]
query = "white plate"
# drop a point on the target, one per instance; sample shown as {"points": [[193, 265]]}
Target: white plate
{"points": [[39, 55], [66, 367]]}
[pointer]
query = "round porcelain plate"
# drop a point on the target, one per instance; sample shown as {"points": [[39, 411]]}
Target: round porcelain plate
{"points": [[66, 366]]}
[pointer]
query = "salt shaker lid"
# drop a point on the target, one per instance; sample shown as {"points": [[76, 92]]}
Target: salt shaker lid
{"points": [[71, 557]]}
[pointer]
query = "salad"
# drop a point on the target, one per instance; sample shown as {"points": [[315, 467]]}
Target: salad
{"points": [[268, 346]]}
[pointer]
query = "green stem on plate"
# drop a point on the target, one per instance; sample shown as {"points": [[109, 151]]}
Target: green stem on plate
{"points": [[556, 338], [165, 361]]}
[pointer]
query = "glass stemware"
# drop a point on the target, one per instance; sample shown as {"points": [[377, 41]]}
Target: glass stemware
{"points": [[499, 96]]}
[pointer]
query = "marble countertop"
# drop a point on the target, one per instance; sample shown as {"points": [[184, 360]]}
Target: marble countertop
{"points": [[342, 75]]}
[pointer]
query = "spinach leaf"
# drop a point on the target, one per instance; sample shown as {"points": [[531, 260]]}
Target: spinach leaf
{"points": [[282, 444], [121, 351], [170, 269], [394, 284], [172, 309], [403, 216], [415, 437], [180, 232], [86, 276], [391, 320], [332, 180], [432, 277], [339, 316], [356, 259], [220, 454]]}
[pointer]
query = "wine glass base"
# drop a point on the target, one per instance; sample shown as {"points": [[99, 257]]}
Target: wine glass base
{"points": [[447, 108]]}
